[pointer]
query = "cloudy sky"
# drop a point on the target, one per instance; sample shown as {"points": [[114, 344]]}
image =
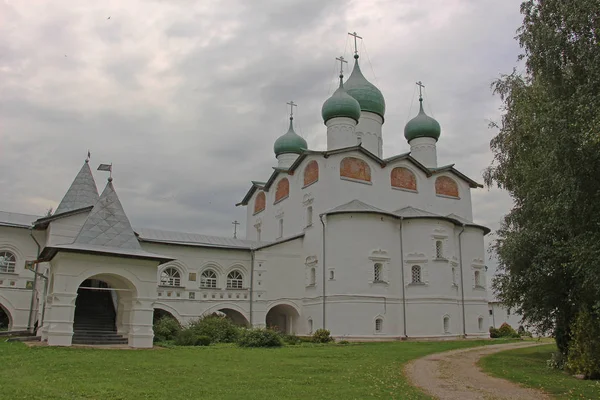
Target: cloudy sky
{"points": [[186, 97]]}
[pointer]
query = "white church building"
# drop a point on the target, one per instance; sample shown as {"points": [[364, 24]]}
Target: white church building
{"points": [[367, 246]]}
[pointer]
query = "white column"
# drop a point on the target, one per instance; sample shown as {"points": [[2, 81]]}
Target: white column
{"points": [[141, 334], [59, 319]]}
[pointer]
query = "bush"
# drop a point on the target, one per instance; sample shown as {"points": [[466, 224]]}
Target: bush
{"points": [[322, 336], [187, 337], [507, 331], [259, 338], [494, 333], [291, 339], [556, 361], [218, 329], [584, 351], [166, 328]]}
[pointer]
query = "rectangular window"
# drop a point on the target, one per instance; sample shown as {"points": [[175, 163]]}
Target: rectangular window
{"points": [[439, 249], [378, 273], [491, 312], [378, 325], [416, 274]]}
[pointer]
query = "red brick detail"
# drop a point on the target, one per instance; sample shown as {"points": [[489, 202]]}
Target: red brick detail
{"points": [[446, 186], [260, 203], [403, 178], [355, 168], [283, 189], [311, 173]]}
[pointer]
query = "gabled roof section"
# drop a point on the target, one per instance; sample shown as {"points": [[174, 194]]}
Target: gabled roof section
{"points": [[408, 212], [106, 231], [17, 220], [356, 206], [450, 168], [82, 192], [255, 186]]}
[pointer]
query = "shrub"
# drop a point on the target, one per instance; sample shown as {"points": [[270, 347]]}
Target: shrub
{"points": [[187, 337], [584, 351], [291, 339], [166, 328], [556, 361], [218, 329], [494, 333], [322, 336], [259, 338], [343, 342], [506, 330]]}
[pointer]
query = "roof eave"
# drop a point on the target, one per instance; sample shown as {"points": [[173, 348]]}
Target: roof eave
{"points": [[43, 222], [50, 252]]}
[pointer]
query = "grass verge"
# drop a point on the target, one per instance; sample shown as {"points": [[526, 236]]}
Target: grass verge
{"points": [[307, 371], [528, 367]]}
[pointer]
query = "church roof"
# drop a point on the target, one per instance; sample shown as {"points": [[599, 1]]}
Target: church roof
{"points": [[408, 212], [17, 220], [82, 192], [356, 206], [106, 231], [450, 168], [194, 239]]}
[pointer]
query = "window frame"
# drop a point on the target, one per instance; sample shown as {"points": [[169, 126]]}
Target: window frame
{"points": [[378, 325], [172, 280], [416, 269], [10, 266], [213, 280], [237, 282], [378, 273], [446, 324]]}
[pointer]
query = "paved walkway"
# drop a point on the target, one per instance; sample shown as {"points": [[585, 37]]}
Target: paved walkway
{"points": [[454, 375]]}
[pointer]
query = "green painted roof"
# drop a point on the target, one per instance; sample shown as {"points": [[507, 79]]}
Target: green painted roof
{"points": [[368, 96], [422, 126], [291, 142], [340, 104]]}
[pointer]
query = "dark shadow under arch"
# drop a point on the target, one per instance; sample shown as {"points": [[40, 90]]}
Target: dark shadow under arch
{"points": [[5, 319]]}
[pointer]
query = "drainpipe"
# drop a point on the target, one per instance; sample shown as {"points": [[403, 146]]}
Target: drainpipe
{"points": [[462, 280], [403, 284], [252, 257], [35, 277], [324, 298]]}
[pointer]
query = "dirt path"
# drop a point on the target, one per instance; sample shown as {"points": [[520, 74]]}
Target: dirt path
{"points": [[454, 375]]}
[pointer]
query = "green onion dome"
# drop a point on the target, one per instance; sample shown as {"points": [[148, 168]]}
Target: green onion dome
{"points": [[422, 126], [291, 142], [368, 96], [340, 104]]}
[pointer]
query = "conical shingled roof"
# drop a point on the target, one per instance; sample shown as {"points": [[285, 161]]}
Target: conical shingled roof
{"points": [[107, 225], [82, 192]]}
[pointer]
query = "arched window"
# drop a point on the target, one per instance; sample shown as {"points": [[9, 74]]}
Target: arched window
{"points": [[235, 280], [310, 325], [309, 215], [170, 276], [208, 279], [355, 168], [446, 324], [403, 178], [8, 261], [313, 276], [416, 274], [280, 227], [311, 173], [331, 275], [260, 203], [283, 190], [446, 187], [477, 278], [378, 325], [439, 249], [378, 272], [480, 324]]}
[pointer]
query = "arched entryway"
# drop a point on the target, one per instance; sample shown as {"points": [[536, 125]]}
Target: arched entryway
{"points": [[282, 318], [235, 316], [103, 310], [5, 319], [159, 314]]}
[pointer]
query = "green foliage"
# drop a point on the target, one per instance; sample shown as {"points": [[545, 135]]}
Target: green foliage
{"points": [[218, 329], [547, 155], [322, 336], [557, 361], [584, 353], [258, 337], [188, 337], [343, 342], [166, 328], [291, 339], [507, 331], [494, 333]]}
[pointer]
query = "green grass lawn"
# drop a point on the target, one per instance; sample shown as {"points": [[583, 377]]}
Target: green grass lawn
{"points": [[356, 371], [528, 367]]}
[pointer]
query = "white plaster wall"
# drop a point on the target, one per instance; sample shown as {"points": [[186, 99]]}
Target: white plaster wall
{"points": [[65, 230], [341, 132], [331, 191], [369, 130], [501, 315]]}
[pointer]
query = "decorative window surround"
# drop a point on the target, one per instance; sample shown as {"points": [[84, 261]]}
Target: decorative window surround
{"points": [[345, 178]]}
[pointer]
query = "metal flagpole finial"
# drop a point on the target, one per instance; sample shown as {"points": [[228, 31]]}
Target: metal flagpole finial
{"points": [[355, 35], [235, 225], [342, 61], [106, 167], [421, 86], [292, 105]]}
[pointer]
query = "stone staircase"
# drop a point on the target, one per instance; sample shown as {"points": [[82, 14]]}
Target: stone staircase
{"points": [[95, 319]]}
